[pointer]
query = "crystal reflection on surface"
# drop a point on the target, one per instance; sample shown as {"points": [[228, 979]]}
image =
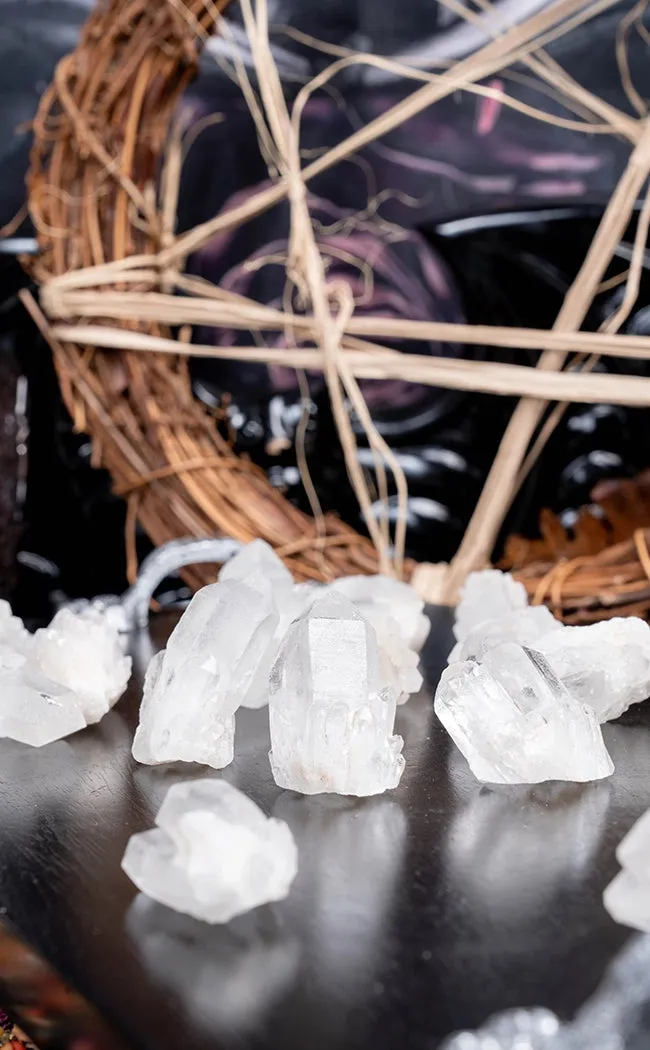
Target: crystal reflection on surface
{"points": [[510, 847], [616, 1017], [227, 978], [322, 944], [350, 864]]}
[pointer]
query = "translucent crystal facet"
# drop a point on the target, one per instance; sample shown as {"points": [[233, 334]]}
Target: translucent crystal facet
{"points": [[83, 652], [219, 650], [35, 710], [515, 722], [605, 665], [331, 722], [14, 636], [213, 854], [258, 566], [395, 611], [627, 898]]}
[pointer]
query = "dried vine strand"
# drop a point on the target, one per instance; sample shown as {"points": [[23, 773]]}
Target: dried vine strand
{"points": [[549, 70], [486, 377], [481, 533], [348, 57], [306, 270], [611, 325], [235, 311], [508, 49]]}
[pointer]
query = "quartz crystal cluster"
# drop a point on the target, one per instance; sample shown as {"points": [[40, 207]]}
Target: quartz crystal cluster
{"points": [[545, 685], [627, 898], [332, 661], [515, 722], [217, 657], [83, 651], [331, 720], [213, 854], [605, 665], [61, 678]]}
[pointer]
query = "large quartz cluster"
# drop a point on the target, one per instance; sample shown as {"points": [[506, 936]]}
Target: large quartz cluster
{"points": [[61, 678], [331, 721], [213, 854], [333, 661], [605, 665], [627, 898], [515, 722], [546, 685]]}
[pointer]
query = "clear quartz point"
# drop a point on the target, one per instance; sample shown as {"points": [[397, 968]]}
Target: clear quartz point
{"points": [[331, 722], [515, 722], [218, 652], [258, 567]]}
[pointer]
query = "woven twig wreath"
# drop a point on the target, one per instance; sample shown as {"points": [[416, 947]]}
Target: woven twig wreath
{"points": [[103, 204], [99, 137]]}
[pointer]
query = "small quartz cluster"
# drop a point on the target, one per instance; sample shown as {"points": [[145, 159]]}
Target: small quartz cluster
{"points": [[546, 686], [627, 898], [213, 854], [60, 679], [331, 661]]}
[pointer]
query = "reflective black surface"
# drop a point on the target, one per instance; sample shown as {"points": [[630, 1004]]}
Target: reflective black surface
{"points": [[413, 914]]}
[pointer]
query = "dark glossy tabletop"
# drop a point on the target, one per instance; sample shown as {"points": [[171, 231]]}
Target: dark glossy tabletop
{"points": [[413, 914]]}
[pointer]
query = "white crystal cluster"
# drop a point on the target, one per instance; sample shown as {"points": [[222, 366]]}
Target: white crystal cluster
{"points": [[331, 720], [515, 722], [331, 661], [61, 678], [627, 898], [605, 665], [213, 854], [523, 694], [217, 657]]}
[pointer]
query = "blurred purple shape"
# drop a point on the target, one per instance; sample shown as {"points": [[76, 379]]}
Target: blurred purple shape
{"points": [[391, 273]]}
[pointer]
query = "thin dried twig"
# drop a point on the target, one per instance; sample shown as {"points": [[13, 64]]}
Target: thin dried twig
{"points": [[481, 534]]}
